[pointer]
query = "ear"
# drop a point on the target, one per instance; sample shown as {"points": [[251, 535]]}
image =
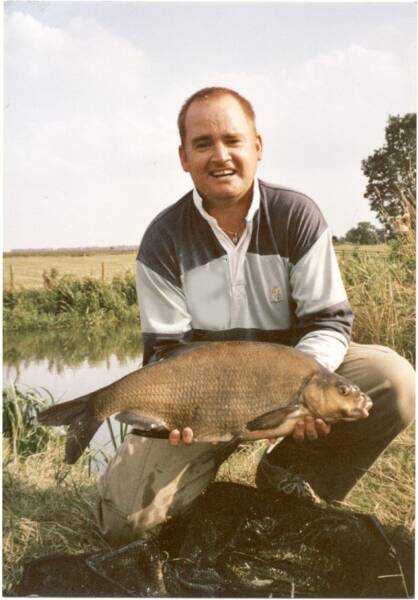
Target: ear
{"points": [[259, 146], [183, 159]]}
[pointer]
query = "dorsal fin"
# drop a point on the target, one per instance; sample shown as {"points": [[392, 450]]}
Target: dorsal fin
{"points": [[176, 349]]}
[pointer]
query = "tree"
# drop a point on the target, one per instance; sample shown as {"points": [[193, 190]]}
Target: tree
{"points": [[364, 233], [391, 171]]}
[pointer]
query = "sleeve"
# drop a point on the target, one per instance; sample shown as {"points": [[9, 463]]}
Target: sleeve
{"points": [[323, 314], [163, 311]]}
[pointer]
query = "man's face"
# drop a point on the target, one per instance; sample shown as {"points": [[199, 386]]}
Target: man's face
{"points": [[220, 150]]}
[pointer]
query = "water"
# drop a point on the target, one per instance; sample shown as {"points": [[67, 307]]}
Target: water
{"points": [[71, 363]]}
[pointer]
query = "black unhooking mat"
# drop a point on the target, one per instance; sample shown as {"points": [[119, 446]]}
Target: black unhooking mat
{"points": [[237, 542]]}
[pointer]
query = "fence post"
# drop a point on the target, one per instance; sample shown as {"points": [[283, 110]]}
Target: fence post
{"points": [[103, 271], [12, 282]]}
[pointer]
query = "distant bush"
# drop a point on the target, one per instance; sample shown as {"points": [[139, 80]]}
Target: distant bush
{"points": [[70, 300]]}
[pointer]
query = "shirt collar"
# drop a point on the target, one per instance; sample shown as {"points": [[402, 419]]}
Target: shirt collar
{"points": [[255, 203]]}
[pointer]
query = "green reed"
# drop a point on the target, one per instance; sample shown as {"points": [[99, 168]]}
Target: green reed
{"points": [[20, 427], [69, 300]]}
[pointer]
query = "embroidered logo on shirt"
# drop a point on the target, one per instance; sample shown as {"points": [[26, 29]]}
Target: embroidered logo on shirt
{"points": [[276, 294]]}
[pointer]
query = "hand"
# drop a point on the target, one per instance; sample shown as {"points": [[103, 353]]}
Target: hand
{"points": [[186, 436], [310, 428]]}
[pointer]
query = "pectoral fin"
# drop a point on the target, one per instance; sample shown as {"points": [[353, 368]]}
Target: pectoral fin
{"points": [[144, 425], [272, 419]]}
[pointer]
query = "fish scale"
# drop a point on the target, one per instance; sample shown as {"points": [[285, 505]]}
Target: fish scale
{"points": [[219, 389]]}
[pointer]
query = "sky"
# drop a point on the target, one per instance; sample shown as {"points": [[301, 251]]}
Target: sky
{"points": [[92, 91]]}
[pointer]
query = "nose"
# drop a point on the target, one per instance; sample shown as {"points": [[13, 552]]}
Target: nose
{"points": [[220, 153]]}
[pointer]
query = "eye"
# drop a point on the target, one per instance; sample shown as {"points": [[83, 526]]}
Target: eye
{"points": [[202, 145]]}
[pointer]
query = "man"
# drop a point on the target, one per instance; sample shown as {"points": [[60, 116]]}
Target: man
{"points": [[237, 258]]}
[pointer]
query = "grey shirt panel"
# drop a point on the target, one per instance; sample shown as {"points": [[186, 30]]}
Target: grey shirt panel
{"points": [[337, 318], [179, 239], [288, 223]]}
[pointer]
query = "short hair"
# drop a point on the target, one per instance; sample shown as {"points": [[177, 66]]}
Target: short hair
{"points": [[212, 92]]}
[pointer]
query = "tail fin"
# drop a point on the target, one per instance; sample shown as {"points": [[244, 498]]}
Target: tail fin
{"points": [[83, 424]]}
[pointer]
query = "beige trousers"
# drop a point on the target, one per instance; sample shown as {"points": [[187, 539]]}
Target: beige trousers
{"points": [[149, 481]]}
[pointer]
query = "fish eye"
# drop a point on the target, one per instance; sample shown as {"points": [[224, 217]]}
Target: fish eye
{"points": [[344, 390]]}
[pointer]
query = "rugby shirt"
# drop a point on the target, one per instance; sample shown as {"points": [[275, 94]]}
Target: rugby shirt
{"points": [[287, 286]]}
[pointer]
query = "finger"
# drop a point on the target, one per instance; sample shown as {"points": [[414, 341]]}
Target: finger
{"points": [[310, 429], [322, 427], [299, 431], [174, 437], [187, 436]]}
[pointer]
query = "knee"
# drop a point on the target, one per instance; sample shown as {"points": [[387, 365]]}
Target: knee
{"points": [[113, 525], [397, 386]]}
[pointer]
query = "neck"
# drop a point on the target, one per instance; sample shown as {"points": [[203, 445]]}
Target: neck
{"points": [[230, 215]]}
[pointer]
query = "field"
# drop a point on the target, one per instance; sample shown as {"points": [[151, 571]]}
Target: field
{"points": [[24, 270]]}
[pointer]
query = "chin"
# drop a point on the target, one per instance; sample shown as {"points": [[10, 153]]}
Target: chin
{"points": [[227, 193]]}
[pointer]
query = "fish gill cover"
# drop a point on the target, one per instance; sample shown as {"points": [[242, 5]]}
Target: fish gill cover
{"points": [[237, 542]]}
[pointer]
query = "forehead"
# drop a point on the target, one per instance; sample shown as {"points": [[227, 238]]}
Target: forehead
{"points": [[223, 113]]}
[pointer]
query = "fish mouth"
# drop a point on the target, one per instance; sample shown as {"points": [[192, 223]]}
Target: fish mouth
{"points": [[361, 411], [366, 403]]}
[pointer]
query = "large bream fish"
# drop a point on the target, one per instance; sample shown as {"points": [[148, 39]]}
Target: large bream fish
{"points": [[221, 390]]}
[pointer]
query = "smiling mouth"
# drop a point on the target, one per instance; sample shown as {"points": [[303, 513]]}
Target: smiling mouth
{"points": [[222, 173]]}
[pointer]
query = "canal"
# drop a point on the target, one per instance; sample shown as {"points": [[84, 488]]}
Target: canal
{"points": [[70, 363]]}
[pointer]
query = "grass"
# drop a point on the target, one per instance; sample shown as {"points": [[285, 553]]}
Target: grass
{"points": [[48, 507], [387, 490], [362, 248], [69, 301], [20, 427], [382, 294]]}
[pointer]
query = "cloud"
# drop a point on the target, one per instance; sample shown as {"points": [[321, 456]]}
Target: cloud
{"points": [[76, 69], [77, 138], [91, 141], [321, 118]]}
